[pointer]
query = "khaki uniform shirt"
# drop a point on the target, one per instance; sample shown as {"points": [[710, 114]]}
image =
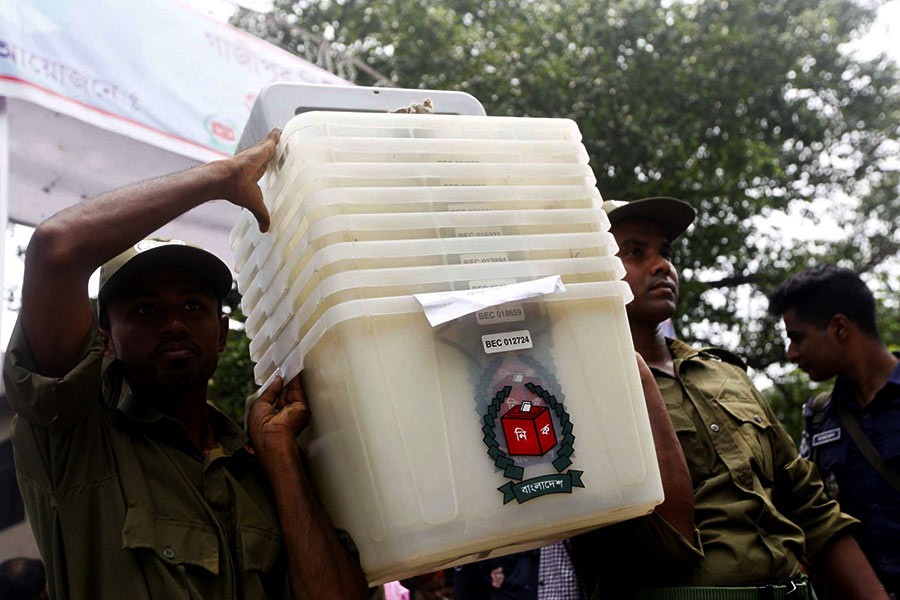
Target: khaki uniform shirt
{"points": [[123, 505], [759, 508]]}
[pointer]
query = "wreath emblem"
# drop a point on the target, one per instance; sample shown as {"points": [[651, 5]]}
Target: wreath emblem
{"points": [[529, 431]]}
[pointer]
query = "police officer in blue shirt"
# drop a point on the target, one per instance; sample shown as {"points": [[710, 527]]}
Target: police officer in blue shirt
{"points": [[853, 432]]}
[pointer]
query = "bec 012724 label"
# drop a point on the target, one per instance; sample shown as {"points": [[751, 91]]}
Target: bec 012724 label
{"points": [[506, 342]]}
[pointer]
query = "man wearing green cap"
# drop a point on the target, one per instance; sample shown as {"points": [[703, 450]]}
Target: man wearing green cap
{"points": [[134, 485], [760, 513]]}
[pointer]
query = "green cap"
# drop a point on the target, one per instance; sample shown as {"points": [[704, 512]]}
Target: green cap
{"points": [[152, 253], [673, 215]]}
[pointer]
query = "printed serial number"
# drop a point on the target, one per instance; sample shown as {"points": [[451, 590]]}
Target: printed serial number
{"points": [[505, 342], [501, 314], [467, 233]]}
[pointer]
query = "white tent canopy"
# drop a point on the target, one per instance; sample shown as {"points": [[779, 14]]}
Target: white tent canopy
{"points": [[101, 93], [57, 160]]}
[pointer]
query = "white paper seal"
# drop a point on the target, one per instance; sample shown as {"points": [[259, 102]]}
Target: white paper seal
{"points": [[441, 307]]}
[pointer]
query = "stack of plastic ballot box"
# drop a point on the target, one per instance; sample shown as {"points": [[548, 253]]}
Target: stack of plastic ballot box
{"points": [[450, 290]]}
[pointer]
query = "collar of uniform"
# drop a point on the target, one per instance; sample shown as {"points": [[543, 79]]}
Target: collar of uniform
{"points": [[228, 433], [895, 374], [119, 397], [842, 391], [682, 352]]}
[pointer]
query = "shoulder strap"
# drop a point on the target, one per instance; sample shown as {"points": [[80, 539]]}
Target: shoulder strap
{"points": [[724, 355], [817, 404], [814, 415], [868, 449]]}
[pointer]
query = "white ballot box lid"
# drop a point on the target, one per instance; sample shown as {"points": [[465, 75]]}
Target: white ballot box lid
{"points": [[277, 103]]}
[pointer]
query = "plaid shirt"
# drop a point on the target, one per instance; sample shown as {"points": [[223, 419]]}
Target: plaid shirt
{"points": [[556, 574]]}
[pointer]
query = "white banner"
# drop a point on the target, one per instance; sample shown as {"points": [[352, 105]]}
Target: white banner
{"points": [[155, 70]]}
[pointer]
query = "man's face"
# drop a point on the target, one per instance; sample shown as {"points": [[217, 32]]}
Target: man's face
{"points": [[646, 253], [166, 329], [815, 349]]}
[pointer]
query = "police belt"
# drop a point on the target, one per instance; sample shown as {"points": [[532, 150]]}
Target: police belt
{"points": [[796, 588]]}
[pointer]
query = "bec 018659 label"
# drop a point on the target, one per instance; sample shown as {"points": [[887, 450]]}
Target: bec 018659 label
{"points": [[506, 342], [508, 313]]}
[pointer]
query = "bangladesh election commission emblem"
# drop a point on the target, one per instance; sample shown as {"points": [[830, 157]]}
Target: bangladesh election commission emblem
{"points": [[525, 424]]}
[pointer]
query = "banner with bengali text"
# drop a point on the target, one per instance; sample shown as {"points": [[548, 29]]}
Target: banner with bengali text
{"points": [[155, 70]]}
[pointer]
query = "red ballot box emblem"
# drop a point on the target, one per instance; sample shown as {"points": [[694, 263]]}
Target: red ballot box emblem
{"points": [[528, 430]]}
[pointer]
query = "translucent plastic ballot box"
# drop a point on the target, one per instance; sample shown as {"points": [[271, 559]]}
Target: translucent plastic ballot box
{"points": [[296, 314], [449, 290], [349, 256], [502, 430]]}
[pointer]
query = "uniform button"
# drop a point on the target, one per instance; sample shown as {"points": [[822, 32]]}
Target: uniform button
{"points": [[757, 418], [169, 553], [714, 428]]}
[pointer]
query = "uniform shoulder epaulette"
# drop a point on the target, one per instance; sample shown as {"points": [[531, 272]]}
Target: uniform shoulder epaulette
{"points": [[725, 356], [817, 405]]}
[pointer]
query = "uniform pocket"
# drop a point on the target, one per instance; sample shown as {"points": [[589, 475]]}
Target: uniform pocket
{"points": [[700, 459], [261, 548], [755, 433], [176, 543]]}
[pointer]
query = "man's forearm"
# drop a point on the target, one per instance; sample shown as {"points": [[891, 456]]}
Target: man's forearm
{"points": [[89, 233], [319, 565], [678, 507], [848, 573]]}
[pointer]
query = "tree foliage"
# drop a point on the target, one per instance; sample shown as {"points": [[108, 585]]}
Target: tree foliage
{"points": [[233, 380], [749, 110]]}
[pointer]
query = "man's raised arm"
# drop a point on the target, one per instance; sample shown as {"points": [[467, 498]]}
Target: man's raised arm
{"points": [[69, 246]]}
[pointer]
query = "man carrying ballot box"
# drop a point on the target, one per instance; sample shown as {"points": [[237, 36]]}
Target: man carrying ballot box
{"points": [[134, 485]]}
